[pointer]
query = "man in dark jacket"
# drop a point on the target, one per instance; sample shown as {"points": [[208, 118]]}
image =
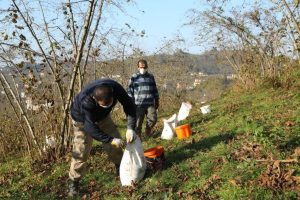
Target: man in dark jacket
{"points": [[90, 112], [142, 88]]}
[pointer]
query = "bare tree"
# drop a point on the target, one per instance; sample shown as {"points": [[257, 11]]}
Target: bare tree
{"points": [[255, 41], [45, 54]]}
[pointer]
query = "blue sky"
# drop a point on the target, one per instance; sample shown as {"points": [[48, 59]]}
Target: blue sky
{"points": [[162, 20]]}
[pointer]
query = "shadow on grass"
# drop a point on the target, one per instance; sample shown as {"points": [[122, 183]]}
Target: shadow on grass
{"points": [[189, 150], [291, 144], [203, 118]]}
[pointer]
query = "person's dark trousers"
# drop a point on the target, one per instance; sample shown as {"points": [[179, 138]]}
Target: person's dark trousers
{"points": [[151, 119]]}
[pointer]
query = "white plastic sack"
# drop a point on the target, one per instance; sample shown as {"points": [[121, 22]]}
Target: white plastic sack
{"points": [[169, 127], [184, 111], [205, 109], [133, 163]]}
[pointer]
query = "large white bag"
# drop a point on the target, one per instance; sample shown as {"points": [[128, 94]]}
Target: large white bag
{"points": [[169, 127], [184, 111], [133, 163]]}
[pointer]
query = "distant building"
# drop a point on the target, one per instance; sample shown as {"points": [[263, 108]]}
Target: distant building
{"points": [[22, 94], [116, 76], [181, 86], [201, 74], [231, 76], [197, 81]]}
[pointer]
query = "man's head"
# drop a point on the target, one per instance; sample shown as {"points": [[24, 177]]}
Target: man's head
{"points": [[103, 95], [142, 66]]}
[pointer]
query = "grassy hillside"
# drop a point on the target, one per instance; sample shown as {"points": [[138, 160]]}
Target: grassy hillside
{"points": [[243, 149]]}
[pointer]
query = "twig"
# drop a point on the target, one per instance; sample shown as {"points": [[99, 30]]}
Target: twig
{"points": [[282, 161]]}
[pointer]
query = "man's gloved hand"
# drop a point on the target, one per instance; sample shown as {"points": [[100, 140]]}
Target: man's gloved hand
{"points": [[130, 135], [118, 143]]}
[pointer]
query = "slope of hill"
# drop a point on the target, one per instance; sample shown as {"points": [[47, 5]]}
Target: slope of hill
{"points": [[246, 148]]}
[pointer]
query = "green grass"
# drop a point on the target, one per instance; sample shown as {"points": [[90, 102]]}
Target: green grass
{"points": [[214, 163]]}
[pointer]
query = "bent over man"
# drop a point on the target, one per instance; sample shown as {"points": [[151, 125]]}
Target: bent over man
{"points": [[90, 112]]}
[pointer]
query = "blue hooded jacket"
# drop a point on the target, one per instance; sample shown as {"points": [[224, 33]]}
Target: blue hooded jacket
{"points": [[85, 109]]}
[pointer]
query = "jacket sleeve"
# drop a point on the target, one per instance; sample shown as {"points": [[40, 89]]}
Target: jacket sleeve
{"points": [[155, 91], [128, 106], [93, 130], [130, 90]]}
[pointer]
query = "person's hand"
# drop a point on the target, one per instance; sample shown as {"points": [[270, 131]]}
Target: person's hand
{"points": [[130, 135], [118, 143]]}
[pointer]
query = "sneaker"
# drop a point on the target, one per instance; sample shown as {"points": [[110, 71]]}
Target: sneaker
{"points": [[73, 189]]}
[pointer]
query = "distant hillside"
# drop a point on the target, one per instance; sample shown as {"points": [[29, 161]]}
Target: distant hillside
{"points": [[210, 62]]}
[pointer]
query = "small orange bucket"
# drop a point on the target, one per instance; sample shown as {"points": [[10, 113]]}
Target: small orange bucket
{"points": [[154, 152], [155, 158], [183, 131]]}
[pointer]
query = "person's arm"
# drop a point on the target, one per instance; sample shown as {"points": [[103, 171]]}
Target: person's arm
{"points": [[93, 130], [130, 90], [155, 93], [128, 106]]}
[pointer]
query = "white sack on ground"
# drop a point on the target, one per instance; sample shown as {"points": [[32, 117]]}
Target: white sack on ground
{"points": [[133, 163], [184, 111], [169, 127], [205, 109]]}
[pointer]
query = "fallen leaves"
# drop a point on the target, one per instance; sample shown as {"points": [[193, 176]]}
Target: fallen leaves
{"points": [[276, 177], [210, 184], [290, 123], [236, 181], [248, 150], [296, 152], [2, 180], [201, 193]]}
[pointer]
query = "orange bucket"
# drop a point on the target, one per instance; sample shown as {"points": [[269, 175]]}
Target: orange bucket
{"points": [[154, 152], [183, 131]]}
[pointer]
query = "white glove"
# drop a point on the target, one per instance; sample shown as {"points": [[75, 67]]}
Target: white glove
{"points": [[130, 135], [118, 143]]}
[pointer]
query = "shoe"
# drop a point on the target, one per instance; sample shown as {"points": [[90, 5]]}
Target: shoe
{"points": [[73, 189]]}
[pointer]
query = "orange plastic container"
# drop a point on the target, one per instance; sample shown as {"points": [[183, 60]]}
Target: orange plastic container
{"points": [[154, 152], [183, 131]]}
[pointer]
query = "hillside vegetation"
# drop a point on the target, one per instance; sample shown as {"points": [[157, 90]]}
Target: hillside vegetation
{"points": [[246, 148]]}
